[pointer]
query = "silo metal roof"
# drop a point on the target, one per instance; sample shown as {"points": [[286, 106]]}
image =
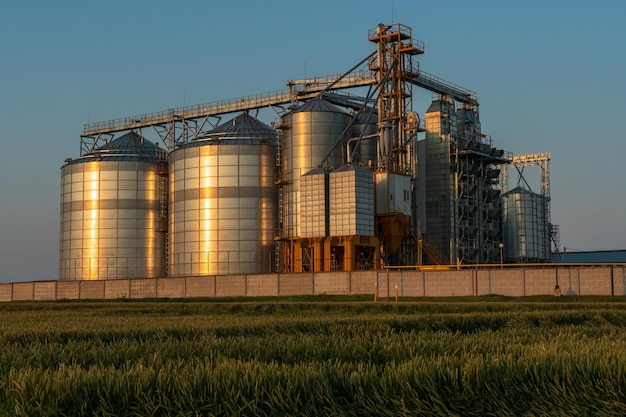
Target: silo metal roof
{"points": [[242, 130], [435, 106], [317, 105], [520, 190], [129, 147]]}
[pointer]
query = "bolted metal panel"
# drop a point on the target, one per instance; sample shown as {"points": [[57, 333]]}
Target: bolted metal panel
{"points": [[314, 205], [351, 202], [111, 213], [223, 201], [309, 136]]}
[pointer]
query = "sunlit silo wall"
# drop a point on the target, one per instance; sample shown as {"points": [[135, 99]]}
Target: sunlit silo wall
{"points": [[223, 201], [351, 202], [114, 212], [309, 135], [525, 236]]}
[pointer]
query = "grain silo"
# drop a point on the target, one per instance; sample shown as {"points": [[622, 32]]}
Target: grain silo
{"points": [[313, 136], [223, 201], [310, 136], [114, 212], [525, 231]]}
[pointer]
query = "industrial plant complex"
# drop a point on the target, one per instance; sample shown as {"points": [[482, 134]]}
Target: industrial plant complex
{"points": [[347, 176]]}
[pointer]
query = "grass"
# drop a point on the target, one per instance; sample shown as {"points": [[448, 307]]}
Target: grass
{"points": [[318, 355]]}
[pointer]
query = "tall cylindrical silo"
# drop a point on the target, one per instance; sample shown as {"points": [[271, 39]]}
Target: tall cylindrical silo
{"points": [[114, 212], [524, 231], [223, 201], [310, 133]]}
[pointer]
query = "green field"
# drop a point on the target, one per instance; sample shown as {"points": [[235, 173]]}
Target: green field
{"points": [[315, 356]]}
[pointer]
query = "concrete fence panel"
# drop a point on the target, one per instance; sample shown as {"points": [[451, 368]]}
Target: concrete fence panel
{"points": [[539, 281], [197, 287], [412, 284], [334, 283], [6, 292], [265, 285], [596, 280], [143, 288], [507, 282], [295, 284], [170, 287], [45, 290], [448, 283], [115, 289], [362, 282], [68, 290], [23, 291], [91, 290], [230, 286]]}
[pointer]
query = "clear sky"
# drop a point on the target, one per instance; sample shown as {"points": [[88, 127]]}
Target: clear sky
{"points": [[549, 75]]}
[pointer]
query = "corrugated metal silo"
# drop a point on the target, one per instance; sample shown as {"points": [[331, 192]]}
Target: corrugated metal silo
{"points": [[114, 212], [223, 201], [309, 135], [525, 237]]}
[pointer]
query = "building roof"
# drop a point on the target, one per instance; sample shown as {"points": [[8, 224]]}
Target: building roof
{"points": [[608, 256]]}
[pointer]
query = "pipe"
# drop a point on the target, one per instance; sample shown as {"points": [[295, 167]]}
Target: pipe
{"points": [[358, 140]]}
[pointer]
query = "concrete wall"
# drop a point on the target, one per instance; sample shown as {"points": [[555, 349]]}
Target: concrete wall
{"points": [[262, 285], [333, 283], [295, 284], [6, 292], [363, 282], [68, 290], [519, 282], [91, 290]]}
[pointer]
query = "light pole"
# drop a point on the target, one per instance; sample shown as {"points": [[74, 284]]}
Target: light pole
{"points": [[501, 246]]}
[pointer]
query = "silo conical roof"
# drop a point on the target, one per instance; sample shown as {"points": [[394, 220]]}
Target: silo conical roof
{"points": [[242, 130], [519, 190], [129, 147], [318, 105]]}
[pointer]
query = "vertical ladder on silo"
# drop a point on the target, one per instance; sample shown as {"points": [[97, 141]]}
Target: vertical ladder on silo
{"points": [[277, 257], [277, 254], [163, 189], [163, 209], [166, 267], [278, 151]]}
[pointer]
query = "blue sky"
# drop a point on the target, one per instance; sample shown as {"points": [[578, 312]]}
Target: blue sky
{"points": [[549, 75]]}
